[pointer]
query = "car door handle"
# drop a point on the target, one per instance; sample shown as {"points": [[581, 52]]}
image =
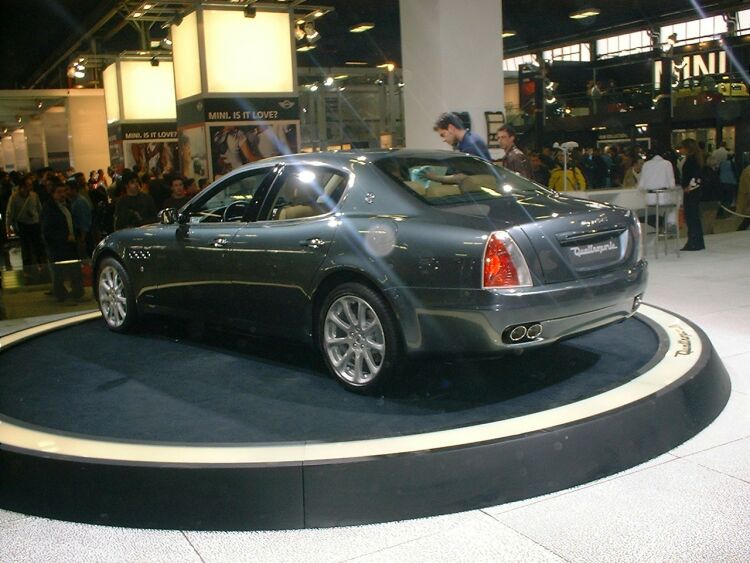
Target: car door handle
{"points": [[220, 242], [313, 242]]}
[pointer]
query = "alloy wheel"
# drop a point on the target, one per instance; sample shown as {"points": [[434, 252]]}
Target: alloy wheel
{"points": [[113, 300], [354, 340]]}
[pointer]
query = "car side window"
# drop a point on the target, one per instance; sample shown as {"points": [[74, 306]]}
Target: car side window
{"points": [[307, 191], [229, 200]]}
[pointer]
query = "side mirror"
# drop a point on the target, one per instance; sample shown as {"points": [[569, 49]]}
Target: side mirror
{"points": [[168, 216]]}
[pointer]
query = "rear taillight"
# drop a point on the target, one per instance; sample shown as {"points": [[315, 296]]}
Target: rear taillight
{"points": [[504, 265]]}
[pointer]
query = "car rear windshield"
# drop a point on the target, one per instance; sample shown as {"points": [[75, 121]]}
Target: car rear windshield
{"points": [[458, 179]]}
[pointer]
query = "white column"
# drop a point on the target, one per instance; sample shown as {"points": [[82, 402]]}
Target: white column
{"points": [[452, 55], [9, 155], [21, 148], [37, 144], [87, 131]]}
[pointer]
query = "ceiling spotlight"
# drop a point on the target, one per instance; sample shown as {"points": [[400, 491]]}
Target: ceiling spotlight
{"points": [[19, 119], [318, 13], [585, 13], [154, 61], [250, 11], [147, 6], [328, 81], [388, 66], [314, 88], [79, 73], [39, 104], [508, 33], [136, 14], [311, 32], [299, 33], [166, 43], [360, 27]]}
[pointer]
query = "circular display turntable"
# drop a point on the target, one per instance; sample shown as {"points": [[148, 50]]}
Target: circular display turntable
{"points": [[168, 428]]}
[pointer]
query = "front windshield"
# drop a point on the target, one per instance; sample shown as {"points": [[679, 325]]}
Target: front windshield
{"points": [[456, 179]]}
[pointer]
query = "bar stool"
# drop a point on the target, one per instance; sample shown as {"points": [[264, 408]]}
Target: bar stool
{"points": [[664, 200]]}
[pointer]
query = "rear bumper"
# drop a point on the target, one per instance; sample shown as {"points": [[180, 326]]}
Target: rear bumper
{"points": [[472, 322]]}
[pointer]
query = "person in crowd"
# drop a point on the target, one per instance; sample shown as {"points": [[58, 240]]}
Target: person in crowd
{"points": [[514, 159], [179, 195], [743, 199], [191, 188], [202, 183], [594, 90], [451, 129], [23, 216], [159, 191], [728, 181], [719, 155], [134, 208], [81, 210], [59, 238], [539, 171], [692, 172], [6, 189], [575, 178], [657, 173], [105, 177], [633, 173], [594, 168]]}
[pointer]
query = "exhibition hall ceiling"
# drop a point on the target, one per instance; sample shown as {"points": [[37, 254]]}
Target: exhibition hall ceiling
{"points": [[40, 37]]}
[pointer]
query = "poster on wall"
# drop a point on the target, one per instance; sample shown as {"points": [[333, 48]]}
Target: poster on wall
{"points": [[234, 144], [157, 158], [193, 152]]}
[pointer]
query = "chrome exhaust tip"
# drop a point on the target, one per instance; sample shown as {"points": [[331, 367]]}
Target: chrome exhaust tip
{"points": [[518, 333], [534, 331]]}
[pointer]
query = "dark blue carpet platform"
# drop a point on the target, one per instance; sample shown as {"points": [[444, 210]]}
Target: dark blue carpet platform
{"points": [[175, 427]]}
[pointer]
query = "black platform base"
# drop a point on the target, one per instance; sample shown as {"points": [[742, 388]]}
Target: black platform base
{"points": [[167, 429]]}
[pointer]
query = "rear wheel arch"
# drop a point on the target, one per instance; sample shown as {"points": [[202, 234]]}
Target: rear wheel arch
{"points": [[334, 280]]}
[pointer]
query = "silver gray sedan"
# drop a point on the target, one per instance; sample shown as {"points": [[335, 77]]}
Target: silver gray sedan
{"points": [[374, 256]]}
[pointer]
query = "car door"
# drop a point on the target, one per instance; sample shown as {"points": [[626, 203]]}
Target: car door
{"points": [[193, 271], [275, 259]]}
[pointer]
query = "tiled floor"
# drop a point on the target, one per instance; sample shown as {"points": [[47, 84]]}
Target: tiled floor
{"points": [[691, 504]]}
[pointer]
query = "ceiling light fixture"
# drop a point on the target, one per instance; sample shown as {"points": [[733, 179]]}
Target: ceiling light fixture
{"points": [[137, 14], [355, 63], [328, 81], [305, 48], [360, 27], [585, 13], [388, 66], [508, 33], [318, 13]]}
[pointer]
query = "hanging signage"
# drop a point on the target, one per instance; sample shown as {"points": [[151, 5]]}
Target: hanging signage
{"points": [[692, 66], [237, 109], [162, 131]]}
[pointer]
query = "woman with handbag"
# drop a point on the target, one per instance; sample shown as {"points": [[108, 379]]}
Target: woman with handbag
{"points": [[690, 180]]}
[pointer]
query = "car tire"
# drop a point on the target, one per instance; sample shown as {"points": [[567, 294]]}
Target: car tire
{"points": [[115, 296], [359, 338]]}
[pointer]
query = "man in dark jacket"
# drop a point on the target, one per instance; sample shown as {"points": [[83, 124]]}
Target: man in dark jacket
{"points": [[514, 160], [59, 240], [134, 208]]}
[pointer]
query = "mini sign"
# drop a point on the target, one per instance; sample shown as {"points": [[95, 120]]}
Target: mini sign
{"points": [[700, 64]]}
